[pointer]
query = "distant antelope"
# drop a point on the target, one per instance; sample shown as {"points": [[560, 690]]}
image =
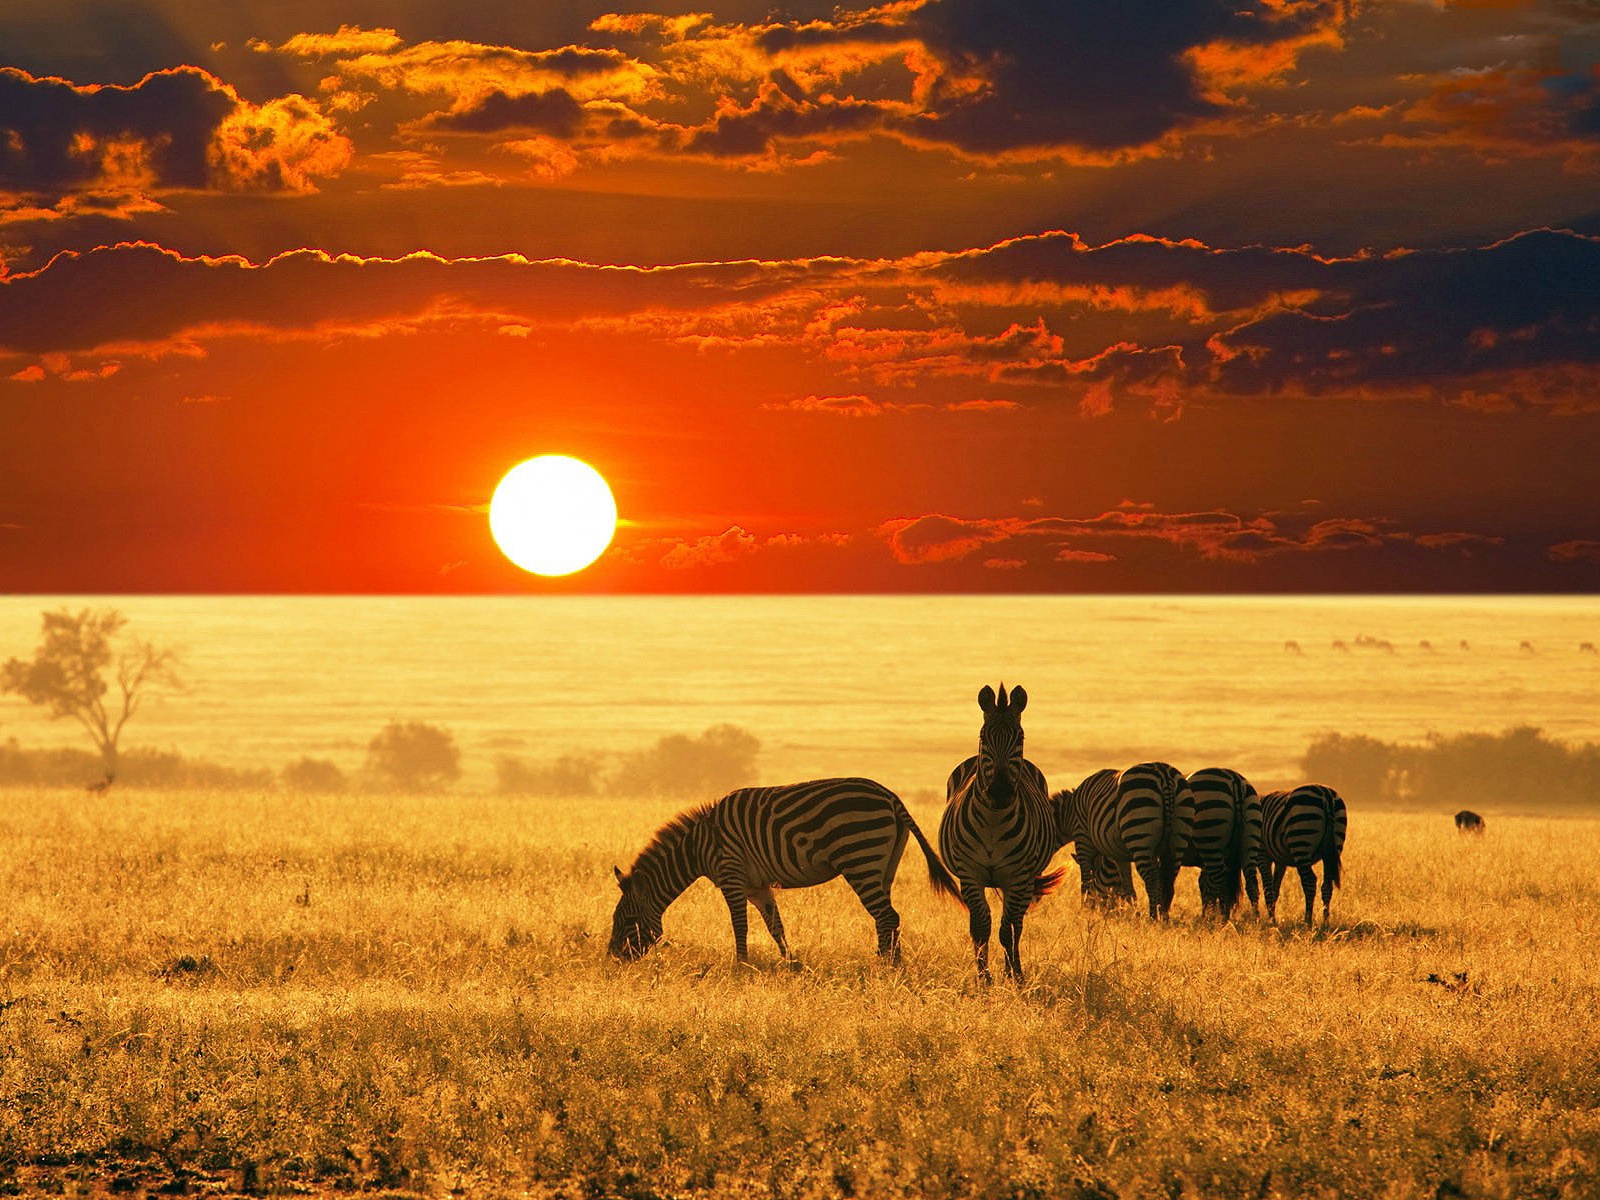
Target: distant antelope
{"points": [[1468, 821], [1292, 647], [100, 786], [1526, 647], [1340, 646], [1463, 644], [1425, 646], [1587, 648]]}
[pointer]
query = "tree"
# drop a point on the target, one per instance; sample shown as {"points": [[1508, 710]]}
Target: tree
{"points": [[413, 756], [67, 675], [314, 775], [720, 759]]}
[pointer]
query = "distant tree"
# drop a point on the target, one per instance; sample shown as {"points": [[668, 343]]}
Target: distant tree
{"points": [[67, 675], [413, 756], [568, 775], [314, 775], [719, 760]]}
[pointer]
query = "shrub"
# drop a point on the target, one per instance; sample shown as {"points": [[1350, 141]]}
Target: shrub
{"points": [[720, 759], [568, 775], [413, 756], [317, 775]]}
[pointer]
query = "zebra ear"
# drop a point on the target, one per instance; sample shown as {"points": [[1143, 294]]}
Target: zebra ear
{"points": [[1019, 698], [621, 882], [986, 699]]}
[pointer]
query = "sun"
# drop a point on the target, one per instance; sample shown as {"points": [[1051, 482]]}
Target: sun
{"points": [[552, 515]]}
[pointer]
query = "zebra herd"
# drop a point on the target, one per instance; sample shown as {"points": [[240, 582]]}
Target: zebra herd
{"points": [[1000, 829]]}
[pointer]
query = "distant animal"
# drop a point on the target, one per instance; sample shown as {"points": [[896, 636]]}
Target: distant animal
{"points": [[1468, 821], [101, 786], [1587, 648], [1292, 647], [1526, 647], [1463, 644], [998, 829], [1340, 646], [1142, 816], [1226, 835], [1299, 828], [1425, 646], [759, 838]]}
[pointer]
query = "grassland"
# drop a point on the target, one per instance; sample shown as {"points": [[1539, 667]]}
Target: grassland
{"points": [[234, 993]]}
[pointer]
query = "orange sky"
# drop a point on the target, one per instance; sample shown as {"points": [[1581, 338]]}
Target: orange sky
{"points": [[929, 296]]}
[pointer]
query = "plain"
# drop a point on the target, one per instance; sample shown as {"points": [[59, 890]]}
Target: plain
{"points": [[233, 992]]}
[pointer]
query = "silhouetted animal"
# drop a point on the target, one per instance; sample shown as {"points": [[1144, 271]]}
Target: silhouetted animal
{"points": [[1526, 647], [1226, 835], [998, 829], [1143, 816], [1468, 821], [101, 786], [1587, 648], [1463, 644], [1340, 646], [756, 839], [1299, 828], [1425, 646], [1292, 647]]}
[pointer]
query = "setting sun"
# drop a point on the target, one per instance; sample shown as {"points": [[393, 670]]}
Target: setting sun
{"points": [[553, 515]]}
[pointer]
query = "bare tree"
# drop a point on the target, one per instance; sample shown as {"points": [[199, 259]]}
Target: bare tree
{"points": [[67, 675]]}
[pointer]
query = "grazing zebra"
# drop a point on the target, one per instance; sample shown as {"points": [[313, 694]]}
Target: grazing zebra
{"points": [[1226, 835], [1468, 821], [1299, 828], [998, 829], [756, 839], [1143, 816]]}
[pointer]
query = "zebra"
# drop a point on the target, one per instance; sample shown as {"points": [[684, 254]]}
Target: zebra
{"points": [[760, 838], [1143, 816], [1226, 836], [1298, 828], [998, 830]]}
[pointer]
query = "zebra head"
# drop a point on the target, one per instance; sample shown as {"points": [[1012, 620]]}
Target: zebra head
{"points": [[1000, 743], [636, 924]]}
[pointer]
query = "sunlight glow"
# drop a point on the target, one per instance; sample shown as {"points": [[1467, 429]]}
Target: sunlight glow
{"points": [[552, 515]]}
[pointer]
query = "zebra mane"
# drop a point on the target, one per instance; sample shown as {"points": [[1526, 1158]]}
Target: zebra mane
{"points": [[671, 834]]}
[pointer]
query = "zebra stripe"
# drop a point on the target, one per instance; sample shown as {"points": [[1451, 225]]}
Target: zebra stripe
{"points": [[1298, 829], [1227, 835], [998, 829], [1142, 816], [756, 839]]}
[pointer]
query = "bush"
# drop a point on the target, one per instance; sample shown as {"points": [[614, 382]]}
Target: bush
{"points": [[1518, 768], [317, 775], [569, 775], [413, 756], [719, 760]]}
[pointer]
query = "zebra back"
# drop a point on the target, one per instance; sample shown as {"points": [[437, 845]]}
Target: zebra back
{"points": [[1302, 826], [1227, 830], [1155, 811]]}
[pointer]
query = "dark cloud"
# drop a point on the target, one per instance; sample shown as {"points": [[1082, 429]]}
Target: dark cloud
{"points": [[555, 112], [177, 128]]}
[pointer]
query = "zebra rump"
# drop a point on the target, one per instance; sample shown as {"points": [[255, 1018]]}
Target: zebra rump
{"points": [[1143, 816], [1226, 836], [1299, 829]]}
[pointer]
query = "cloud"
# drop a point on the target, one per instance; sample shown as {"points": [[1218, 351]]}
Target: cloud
{"points": [[1578, 550], [846, 406], [175, 129], [731, 545]]}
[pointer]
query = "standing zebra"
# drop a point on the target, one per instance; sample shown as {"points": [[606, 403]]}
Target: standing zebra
{"points": [[998, 829], [756, 839], [1142, 816], [1299, 828], [1226, 837]]}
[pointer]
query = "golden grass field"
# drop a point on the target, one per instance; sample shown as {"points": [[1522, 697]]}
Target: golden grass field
{"points": [[234, 993]]}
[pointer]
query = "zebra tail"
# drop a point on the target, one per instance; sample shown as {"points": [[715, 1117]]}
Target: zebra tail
{"points": [[1331, 850], [939, 876], [1043, 885]]}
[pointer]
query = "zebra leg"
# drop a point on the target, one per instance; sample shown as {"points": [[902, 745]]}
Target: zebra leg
{"points": [[1014, 907], [1308, 884], [1150, 874], [1327, 893], [737, 913], [767, 905], [1169, 887], [1252, 889], [870, 888], [1273, 884], [979, 923]]}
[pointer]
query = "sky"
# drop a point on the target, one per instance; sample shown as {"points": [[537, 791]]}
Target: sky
{"points": [[1165, 296]]}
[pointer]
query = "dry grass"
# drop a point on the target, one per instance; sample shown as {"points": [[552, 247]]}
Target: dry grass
{"points": [[222, 992]]}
